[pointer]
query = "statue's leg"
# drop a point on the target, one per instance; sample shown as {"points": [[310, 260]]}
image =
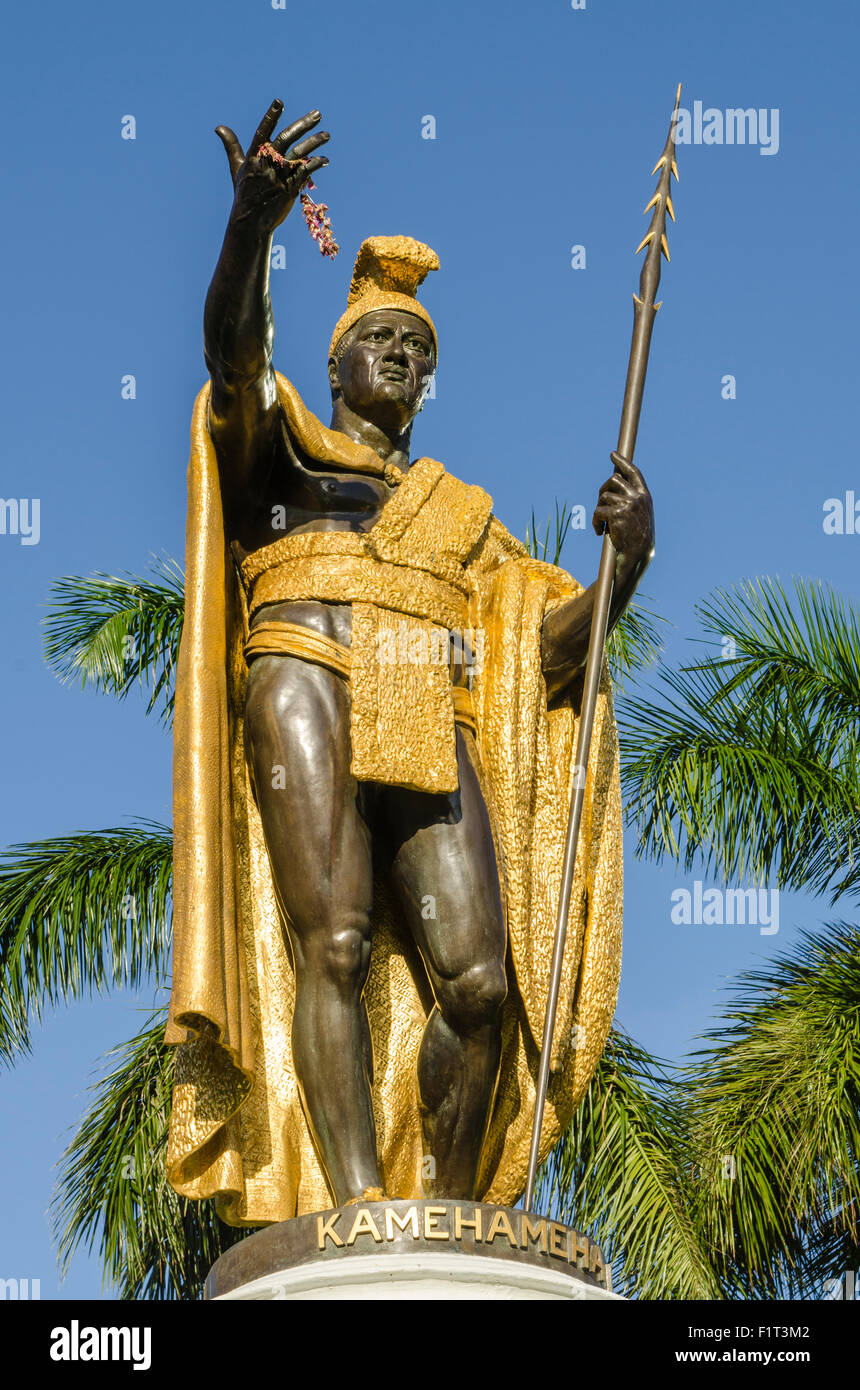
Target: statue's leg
{"points": [[297, 740], [443, 869]]}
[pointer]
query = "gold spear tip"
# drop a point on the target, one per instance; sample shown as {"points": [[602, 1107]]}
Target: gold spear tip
{"points": [[672, 132]]}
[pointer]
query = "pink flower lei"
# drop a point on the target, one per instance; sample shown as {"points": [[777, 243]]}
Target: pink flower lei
{"points": [[318, 223]]}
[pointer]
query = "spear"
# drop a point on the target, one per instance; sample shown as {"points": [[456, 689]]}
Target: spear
{"points": [[644, 313]]}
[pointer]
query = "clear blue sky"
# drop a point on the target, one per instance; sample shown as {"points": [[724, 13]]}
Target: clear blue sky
{"points": [[548, 122]]}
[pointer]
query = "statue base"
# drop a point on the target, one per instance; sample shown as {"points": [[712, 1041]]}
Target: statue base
{"points": [[404, 1249]]}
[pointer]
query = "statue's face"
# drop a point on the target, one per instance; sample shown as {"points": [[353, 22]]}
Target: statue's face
{"points": [[383, 372]]}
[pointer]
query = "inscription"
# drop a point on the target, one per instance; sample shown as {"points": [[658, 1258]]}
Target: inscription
{"points": [[449, 1221]]}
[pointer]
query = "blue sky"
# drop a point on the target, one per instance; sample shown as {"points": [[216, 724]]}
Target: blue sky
{"points": [[548, 121]]}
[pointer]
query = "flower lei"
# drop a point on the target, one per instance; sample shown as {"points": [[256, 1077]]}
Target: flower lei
{"points": [[318, 223]]}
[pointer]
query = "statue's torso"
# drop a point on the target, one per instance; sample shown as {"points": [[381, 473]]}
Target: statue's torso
{"points": [[302, 496]]}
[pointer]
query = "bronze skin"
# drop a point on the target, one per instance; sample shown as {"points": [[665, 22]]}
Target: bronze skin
{"points": [[324, 831]]}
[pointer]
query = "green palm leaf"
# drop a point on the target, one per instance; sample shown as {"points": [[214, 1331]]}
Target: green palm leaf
{"points": [[112, 1195], [79, 913], [634, 643], [622, 1175], [538, 545], [779, 1093], [751, 759], [118, 633]]}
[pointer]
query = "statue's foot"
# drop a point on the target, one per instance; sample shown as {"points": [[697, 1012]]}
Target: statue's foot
{"points": [[370, 1194]]}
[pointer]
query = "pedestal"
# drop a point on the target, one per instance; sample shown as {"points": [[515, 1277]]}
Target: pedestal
{"points": [[413, 1250]]}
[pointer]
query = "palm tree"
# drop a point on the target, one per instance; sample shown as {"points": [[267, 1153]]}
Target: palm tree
{"points": [[746, 761], [90, 912], [623, 1174], [777, 1094], [113, 1194], [776, 1097]]}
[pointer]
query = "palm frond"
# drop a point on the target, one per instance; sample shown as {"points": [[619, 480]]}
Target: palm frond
{"points": [[118, 632], [750, 759], [539, 546], [78, 913], [112, 1195], [776, 1098], [634, 643], [815, 650], [621, 1174]]}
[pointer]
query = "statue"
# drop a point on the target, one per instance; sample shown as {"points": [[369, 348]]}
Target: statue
{"points": [[376, 713]]}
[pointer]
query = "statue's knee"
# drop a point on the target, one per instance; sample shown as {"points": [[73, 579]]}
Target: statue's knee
{"points": [[342, 952], [474, 998]]}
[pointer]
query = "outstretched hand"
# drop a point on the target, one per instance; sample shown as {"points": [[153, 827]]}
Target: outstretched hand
{"points": [[266, 187]]}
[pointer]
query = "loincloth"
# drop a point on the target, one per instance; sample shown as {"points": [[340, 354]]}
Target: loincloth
{"points": [[407, 757]]}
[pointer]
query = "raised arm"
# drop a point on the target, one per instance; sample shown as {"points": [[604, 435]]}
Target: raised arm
{"points": [[238, 327], [624, 505]]}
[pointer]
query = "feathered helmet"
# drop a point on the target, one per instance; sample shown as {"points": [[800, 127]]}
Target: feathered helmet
{"points": [[387, 272]]}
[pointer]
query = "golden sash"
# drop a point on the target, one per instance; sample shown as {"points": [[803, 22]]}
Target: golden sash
{"points": [[291, 639]]}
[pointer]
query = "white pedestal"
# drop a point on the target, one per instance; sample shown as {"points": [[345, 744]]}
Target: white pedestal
{"points": [[418, 1277]]}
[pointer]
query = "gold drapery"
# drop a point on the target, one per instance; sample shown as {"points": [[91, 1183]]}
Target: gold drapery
{"points": [[238, 1132]]}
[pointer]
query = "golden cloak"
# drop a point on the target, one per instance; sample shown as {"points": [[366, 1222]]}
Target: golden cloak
{"points": [[237, 1130]]}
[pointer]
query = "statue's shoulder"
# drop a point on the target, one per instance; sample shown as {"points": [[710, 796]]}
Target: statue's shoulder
{"points": [[435, 513], [494, 546], [498, 547], [317, 441], [467, 505]]}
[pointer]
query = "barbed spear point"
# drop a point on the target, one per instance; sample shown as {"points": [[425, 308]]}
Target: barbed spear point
{"points": [[662, 201], [641, 303]]}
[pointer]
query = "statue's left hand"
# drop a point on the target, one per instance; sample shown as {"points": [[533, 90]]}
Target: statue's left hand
{"points": [[624, 506]]}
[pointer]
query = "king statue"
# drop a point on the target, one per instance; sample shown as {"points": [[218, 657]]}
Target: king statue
{"points": [[377, 703]]}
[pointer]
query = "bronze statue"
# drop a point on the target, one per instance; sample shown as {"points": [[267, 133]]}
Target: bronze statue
{"points": [[377, 705]]}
